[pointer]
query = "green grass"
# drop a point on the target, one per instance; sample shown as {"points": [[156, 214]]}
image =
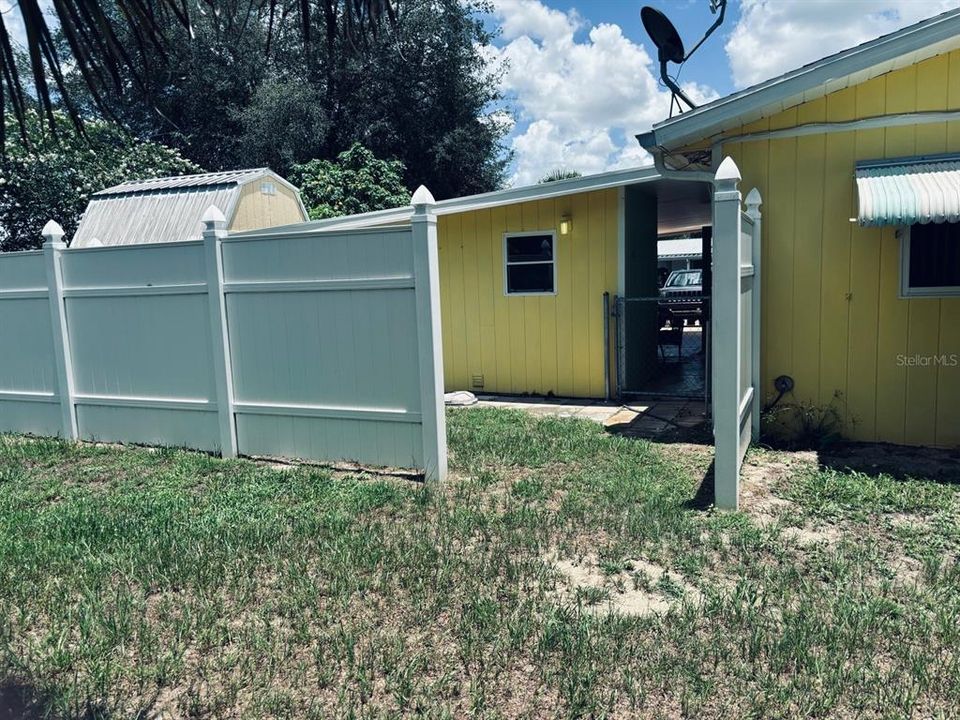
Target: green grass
{"points": [[138, 582]]}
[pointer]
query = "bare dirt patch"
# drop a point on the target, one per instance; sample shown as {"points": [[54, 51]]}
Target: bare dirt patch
{"points": [[640, 588], [760, 475], [809, 535]]}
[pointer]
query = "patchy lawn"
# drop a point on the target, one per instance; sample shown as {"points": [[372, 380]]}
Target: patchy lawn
{"points": [[562, 572]]}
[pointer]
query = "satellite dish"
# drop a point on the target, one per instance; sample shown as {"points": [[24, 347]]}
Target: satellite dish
{"points": [[663, 33], [670, 46]]}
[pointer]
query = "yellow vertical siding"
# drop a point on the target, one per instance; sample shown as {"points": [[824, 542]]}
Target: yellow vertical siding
{"points": [[528, 344], [832, 315], [255, 210]]}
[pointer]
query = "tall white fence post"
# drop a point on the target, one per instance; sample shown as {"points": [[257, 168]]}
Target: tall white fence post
{"points": [[214, 230], [726, 335], [53, 246], [753, 202], [426, 270]]}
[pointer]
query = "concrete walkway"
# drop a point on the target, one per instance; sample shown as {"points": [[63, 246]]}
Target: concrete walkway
{"points": [[649, 419]]}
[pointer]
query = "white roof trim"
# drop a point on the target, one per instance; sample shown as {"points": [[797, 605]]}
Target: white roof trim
{"points": [[542, 191], [280, 179], [930, 37], [198, 180]]}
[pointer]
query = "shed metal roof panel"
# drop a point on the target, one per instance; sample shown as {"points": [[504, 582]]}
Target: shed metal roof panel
{"points": [[228, 177], [151, 217]]}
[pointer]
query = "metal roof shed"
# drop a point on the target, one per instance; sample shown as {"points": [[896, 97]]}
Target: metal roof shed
{"points": [[169, 209]]}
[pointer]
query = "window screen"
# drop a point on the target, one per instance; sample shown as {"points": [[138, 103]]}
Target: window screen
{"points": [[530, 263], [934, 257]]}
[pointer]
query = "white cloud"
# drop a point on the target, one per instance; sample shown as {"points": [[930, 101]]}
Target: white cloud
{"points": [[584, 99], [774, 36], [13, 21], [523, 17]]}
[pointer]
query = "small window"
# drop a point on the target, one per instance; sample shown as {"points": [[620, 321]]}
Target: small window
{"points": [[930, 260], [530, 266], [268, 188]]}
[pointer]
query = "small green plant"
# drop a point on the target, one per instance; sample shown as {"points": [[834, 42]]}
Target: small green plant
{"points": [[589, 595], [669, 587], [803, 425], [641, 581], [612, 567]]}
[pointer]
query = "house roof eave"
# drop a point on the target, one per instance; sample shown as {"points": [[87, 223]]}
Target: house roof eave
{"points": [[907, 46]]}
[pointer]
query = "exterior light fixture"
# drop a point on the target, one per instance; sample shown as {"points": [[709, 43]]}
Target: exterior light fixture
{"points": [[565, 224]]}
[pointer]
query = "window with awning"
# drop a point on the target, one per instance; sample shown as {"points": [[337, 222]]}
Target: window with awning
{"points": [[921, 196]]}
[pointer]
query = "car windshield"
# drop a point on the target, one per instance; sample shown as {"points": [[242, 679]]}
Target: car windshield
{"points": [[686, 278]]}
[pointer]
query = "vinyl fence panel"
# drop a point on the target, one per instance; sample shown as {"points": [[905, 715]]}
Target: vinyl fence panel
{"points": [[736, 330], [139, 336], [323, 336], [314, 345], [29, 399]]}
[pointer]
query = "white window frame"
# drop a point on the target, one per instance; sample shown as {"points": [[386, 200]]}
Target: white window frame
{"points": [[507, 263], [906, 291]]}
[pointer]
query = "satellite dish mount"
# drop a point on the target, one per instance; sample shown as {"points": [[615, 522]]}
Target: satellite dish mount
{"points": [[670, 46]]}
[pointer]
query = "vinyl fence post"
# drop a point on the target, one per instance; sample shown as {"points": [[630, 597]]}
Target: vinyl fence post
{"points": [[753, 203], [214, 230], [726, 335], [427, 281], [53, 247]]}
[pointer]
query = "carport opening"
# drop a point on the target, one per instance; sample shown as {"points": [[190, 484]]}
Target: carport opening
{"points": [[663, 317]]}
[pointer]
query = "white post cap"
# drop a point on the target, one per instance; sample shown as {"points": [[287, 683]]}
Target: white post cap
{"points": [[213, 218], [52, 232], [728, 174], [422, 196]]}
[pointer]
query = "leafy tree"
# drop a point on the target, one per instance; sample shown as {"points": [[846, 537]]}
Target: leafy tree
{"points": [[248, 86], [357, 182], [52, 178], [110, 43], [423, 93], [559, 174], [283, 124]]}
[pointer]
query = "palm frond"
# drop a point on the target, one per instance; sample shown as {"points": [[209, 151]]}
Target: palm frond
{"points": [[93, 30]]}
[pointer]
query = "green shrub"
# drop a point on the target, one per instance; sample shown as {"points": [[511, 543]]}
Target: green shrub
{"points": [[356, 182], [52, 178]]}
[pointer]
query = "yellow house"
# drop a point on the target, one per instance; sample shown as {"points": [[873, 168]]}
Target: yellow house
{"points": [[857, 160], [530, 277], [556, 288]]}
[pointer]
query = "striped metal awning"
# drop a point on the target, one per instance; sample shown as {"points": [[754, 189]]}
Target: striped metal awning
{"points": [[907, 191]]}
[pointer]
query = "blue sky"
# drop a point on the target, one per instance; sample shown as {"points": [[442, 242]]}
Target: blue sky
{"points": [[692, 18], [581, 80]]}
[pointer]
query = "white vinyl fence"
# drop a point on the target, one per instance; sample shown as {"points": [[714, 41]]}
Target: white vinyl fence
{"points": [[735, 346], [314, 345]]}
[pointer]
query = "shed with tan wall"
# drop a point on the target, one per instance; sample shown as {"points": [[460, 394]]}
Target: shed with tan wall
{"points": [[170, 209]]}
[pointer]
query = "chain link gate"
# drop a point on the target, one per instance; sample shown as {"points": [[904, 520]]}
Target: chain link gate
{"points": [[662, 346]]}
